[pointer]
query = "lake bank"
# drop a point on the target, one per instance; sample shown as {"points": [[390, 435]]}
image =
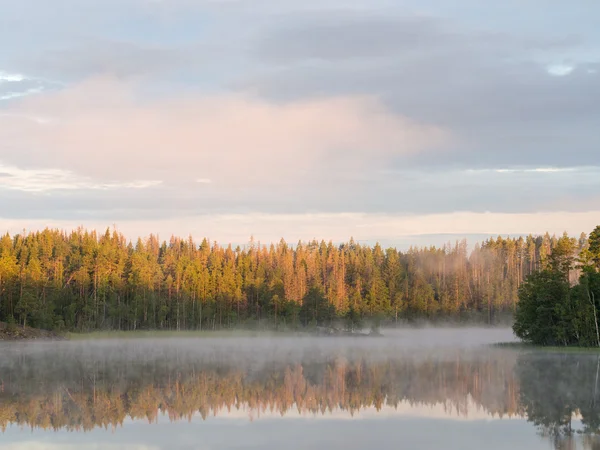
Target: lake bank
{"points": [[233, 333], [19, 333], [550, 348]]}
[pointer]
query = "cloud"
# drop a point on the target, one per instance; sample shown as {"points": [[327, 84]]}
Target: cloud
{"points": [[347, 35], [490, 86], [110, 57], [45, 180], [560, 70], [13, 94], [539, 170], [6, 77], [16, 85], [37, 119], [338, 37], [536, 170], [101, 129], [237, 228], [387, 191], [319, 106]]}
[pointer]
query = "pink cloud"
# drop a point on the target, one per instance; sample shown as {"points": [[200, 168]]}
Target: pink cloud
{"points": [[101, 129]]}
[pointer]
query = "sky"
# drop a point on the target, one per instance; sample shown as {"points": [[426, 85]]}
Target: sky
{"points": [[380, 430], [405, 122]]}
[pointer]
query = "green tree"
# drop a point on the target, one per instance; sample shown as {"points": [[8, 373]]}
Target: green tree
{"points": [[594, 247], [27, 305], [316, 309], [552, 310], [353, 319], [541, 307]]}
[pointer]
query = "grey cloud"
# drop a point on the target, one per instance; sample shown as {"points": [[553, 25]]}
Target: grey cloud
{"points": [[492, 89], [350, 37], [341, 36], [120, 59], [73, 40], [406, 192], [177, 66]]}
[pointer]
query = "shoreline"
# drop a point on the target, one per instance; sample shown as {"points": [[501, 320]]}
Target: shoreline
{"points": [[14, 333]]}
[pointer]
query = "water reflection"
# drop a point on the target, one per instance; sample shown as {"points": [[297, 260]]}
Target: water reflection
{"points": [[80, 387], [558, 390]]}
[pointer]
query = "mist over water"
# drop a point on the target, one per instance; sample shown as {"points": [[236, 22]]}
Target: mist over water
{"points": [[274, 391], [270, 347]]}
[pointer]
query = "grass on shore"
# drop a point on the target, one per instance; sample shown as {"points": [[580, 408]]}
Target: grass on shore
{"points": [[141, 334], [553, 349]]}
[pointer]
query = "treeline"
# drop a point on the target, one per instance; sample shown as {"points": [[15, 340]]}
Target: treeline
{"points": [[83, 280], [554, 310]]}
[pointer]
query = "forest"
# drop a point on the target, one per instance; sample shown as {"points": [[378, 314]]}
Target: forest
{"points": [[555, 310], [84, 280]]}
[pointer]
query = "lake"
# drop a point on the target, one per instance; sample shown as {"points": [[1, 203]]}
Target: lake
{"points": [[413, 389]]}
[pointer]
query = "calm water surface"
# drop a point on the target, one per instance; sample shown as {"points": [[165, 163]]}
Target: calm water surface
{"points": [[424, 389]]}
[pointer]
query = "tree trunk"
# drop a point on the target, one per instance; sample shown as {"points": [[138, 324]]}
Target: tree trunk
{"points": [[593, 302]]}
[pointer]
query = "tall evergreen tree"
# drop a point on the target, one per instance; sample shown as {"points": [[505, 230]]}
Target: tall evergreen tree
{"points": [[85, 280]]}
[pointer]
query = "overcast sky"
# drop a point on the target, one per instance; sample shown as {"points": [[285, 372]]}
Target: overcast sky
{"points": [[399, 121]]}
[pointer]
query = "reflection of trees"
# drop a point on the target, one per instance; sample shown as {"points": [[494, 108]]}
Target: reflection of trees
{"points": [[592, 442], [102, 389], [84, 394], [555, 389]]}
